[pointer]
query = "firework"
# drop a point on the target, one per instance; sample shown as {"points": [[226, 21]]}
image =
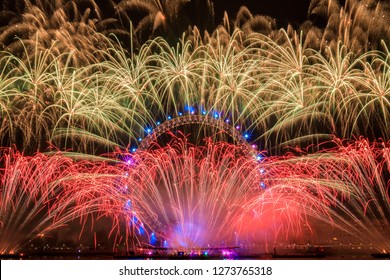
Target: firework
{"points": [[346, 187], [186, 196], [192, 196], [41, 194], [283, 95], [62, 26], [246, 83]]}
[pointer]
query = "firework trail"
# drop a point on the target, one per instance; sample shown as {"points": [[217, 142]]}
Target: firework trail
{"points": [[346, 187], [192, 196], [41, 194], [276, 88], [282, 95], [186, 196], [75, 27]]}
